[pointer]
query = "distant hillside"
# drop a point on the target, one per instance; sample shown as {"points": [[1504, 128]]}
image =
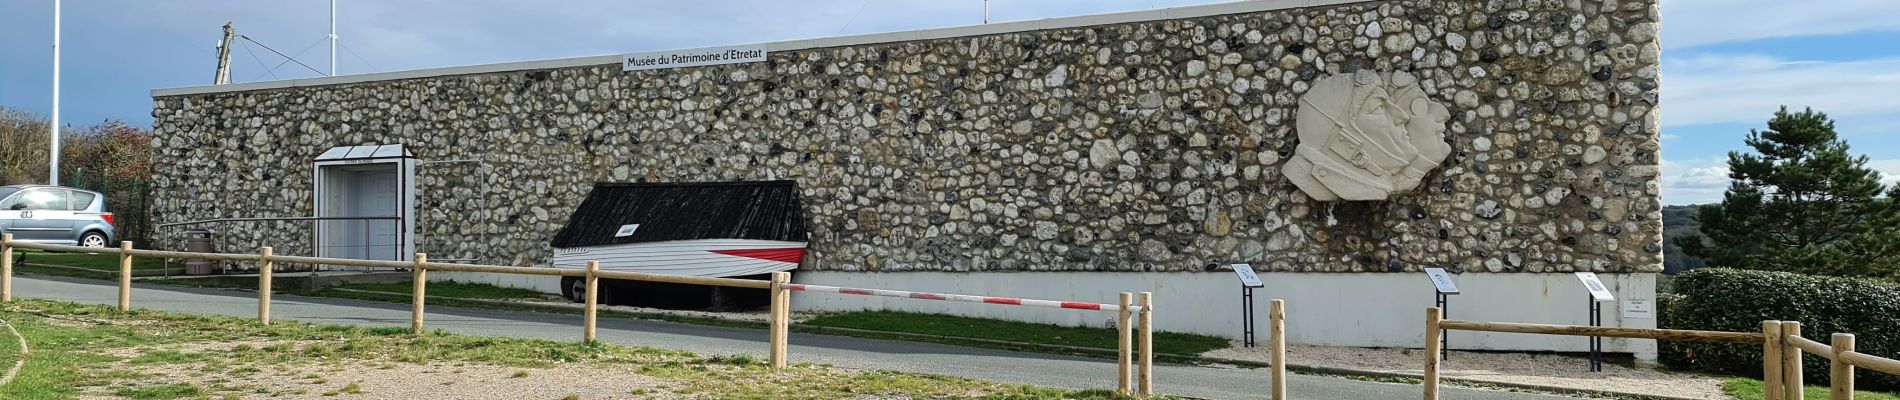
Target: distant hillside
{"points": [[1679, 221]]}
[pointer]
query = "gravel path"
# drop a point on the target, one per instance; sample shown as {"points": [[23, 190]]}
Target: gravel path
{"points": [[1518, 368]]}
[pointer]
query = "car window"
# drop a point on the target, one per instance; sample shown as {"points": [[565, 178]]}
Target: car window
{"points": [[38, 199], [82, 200], [18, 202]]}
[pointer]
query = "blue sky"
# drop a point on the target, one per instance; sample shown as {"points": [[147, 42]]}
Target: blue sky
{"points": [[1727, 63]]}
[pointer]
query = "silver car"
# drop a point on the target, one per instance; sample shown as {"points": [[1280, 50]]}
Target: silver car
{"points": [[55, 215]]}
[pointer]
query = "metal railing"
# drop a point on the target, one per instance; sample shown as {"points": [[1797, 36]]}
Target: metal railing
{"points": [[366, 244]]}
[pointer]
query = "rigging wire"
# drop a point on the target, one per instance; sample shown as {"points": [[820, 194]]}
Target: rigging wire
{"points": [[287, 58], [854, 18], [346, 48], [254, 57]]}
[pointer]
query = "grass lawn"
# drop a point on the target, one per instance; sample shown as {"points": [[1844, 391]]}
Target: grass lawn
{"points": [[451, 289], [93, 351], [1750, 389], [992, 329], [102, 262], [84, 265]]}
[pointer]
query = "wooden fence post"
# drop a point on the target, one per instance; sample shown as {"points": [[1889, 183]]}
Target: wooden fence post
{"points": [[1791, 381], [1431, 353], [1124, 331], [264, 267], [1276, 346], [593, 303], [125, 275], [1841, 382], [1146, 380], [781, 318], [1771, 360], [6, 267], [421, 280]]}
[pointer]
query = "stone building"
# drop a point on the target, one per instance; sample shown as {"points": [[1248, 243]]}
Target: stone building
{"points": [[1066, 158]]}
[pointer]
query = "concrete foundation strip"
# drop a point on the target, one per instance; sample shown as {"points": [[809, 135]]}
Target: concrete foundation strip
{"points": [[1073, 305]]}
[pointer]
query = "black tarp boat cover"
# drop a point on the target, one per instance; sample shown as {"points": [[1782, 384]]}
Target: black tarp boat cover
{"points": [[758, 210]]}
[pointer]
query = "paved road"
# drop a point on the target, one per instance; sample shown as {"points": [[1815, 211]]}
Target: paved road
{"points": [[989, 365]]}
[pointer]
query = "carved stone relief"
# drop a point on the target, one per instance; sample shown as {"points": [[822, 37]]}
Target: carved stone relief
{"points": [[1366, 136]]}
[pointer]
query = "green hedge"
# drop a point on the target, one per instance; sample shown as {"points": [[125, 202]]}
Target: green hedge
{"points": [[1723, 299]]}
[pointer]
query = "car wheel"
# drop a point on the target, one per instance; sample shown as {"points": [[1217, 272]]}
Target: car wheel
{"points": [[93, 239], [574, 289]]}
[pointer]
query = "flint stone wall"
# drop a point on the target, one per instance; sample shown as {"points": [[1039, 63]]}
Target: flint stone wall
{"points": [[1151, 146]]}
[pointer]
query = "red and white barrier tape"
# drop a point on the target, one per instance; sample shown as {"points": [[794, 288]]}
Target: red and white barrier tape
{"points": [[1073, 305]]}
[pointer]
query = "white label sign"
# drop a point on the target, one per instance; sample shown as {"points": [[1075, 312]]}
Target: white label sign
{"points": [[1247, 278], [692, 57], [1597, 290], [626, 230], [1638, 309], [1441, 280]]}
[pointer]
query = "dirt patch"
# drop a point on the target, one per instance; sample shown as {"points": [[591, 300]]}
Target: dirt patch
{"points": [[205, 369]]}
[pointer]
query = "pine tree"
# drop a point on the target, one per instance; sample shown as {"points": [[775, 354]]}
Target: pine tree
{"points": [[1801, 203]]}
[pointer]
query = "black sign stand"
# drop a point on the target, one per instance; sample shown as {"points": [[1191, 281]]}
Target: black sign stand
{"points": [[1596, 342], [1246, 315], [1444, 311], [1442, 290]]}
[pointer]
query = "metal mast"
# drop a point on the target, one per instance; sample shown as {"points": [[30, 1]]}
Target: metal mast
{"points": [[332, 37], [52, 175], [224, 56]]}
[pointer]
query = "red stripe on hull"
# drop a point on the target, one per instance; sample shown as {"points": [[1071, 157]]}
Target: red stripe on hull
{"points": [[790, 255]]}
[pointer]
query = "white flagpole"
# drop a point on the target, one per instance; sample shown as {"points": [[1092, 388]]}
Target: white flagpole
{"points": [[332, 37], [53, 167]]}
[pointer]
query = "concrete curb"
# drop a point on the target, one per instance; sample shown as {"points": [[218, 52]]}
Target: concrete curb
{"points": [[1306, 369]]}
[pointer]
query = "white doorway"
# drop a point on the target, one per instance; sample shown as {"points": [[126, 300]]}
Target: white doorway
{"points": [[366, 195]]}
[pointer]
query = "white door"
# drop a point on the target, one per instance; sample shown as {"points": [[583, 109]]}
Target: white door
{"points": [[374, 195]]}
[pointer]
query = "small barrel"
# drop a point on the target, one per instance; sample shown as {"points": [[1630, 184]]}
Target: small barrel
{"points": [[199, 241]]}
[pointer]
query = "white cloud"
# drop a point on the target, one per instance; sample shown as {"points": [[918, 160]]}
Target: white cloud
{"points": [[1691, 23], [1720, 88], [1694, 181], [1889, 170], [1703, 180]]}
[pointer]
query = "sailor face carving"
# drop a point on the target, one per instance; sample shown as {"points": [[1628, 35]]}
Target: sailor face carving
{"points": [[1366, 136]]}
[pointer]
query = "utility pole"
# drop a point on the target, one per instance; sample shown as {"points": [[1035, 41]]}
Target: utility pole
{"points": [[52, 175], [224, 56], [332, 37], [986, 11]]}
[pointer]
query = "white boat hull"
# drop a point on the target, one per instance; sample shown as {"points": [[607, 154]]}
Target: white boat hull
{"points": [[705, 257]]}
